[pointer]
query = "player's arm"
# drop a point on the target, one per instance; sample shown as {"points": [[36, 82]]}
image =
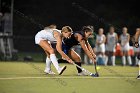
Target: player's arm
{"points": [[84, 47], [59, 46], [90, 49], [97, 42], [104, 39], [127, 39], [136, 39], [117, 39], [137, 36]]}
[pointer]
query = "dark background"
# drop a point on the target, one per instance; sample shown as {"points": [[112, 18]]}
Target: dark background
{"points": [[31, 15]]}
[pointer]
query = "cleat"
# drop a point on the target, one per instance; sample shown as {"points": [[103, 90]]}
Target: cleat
{"points": [[49, 72], [95, 75], [82, 74], [62, 70], [138, 77]]}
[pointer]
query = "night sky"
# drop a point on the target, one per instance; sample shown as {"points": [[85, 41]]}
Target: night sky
{"points": [[31, 15], [62, 12]]}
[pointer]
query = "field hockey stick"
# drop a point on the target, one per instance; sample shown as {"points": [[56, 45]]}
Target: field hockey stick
{"points": [[83, 69], [95, 65], [96, 72]]}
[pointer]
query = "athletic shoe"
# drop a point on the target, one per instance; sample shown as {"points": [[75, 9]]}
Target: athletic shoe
{"points": [[138, 77], [49, 72], [82, 74], [61, 70]]}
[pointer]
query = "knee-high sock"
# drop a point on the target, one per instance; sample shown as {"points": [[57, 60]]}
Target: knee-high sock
{"points": [[113, 60], [129, 60], [123, 60], [48, 64], [78, 69], [106, 60], [54, 61], [139, 66], [136, 61]]}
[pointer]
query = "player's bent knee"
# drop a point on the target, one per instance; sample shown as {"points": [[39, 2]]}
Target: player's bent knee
{"points": [[51, 51], [77, 59]]}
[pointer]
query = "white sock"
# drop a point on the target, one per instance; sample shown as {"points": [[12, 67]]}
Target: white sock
{"points": [[136, 61], [123, 60], [113, 60], [129, 60], [48, 64], [54, 61], [139, 66], [105, 59]]}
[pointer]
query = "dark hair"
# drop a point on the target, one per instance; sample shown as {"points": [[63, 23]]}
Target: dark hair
{"points": [[87, 29]]}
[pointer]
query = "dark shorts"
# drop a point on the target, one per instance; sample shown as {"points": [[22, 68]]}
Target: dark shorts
{"points": [[65, 48]]}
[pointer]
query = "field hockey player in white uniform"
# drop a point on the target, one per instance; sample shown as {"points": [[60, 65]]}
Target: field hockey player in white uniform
{"points": [[49, 35], [124, 38], [137, 45], [100, 45], [111, 42]]}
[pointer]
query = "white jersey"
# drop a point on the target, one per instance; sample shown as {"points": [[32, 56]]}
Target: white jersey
{"points": [[139, 40], [100, 38], [124, 38], [101, 47], [111, 42], [111, 39], [46, 34]]}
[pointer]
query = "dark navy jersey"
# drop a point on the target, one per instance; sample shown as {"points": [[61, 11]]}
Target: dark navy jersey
{"points": [[68, 43], [72, 40]]}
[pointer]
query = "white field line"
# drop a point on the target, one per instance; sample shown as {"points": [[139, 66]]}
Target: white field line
{"points": [[64, 77]]}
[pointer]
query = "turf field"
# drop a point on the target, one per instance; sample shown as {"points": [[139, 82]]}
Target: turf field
{"points": [[27, 77]]}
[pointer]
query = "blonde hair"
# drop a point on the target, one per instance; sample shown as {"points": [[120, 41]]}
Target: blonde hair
{"points": [[67, 28], [52, 26]]}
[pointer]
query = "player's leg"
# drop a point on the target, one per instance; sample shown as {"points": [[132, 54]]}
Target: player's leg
{"points": [[123, 58], [136, 59], [138, 56], [48, 49], [98, 53], [77, 60], [139, 70], [128, 57], [103, 53], [112, 52], [137, 52], [86, 59], [48, 65], [106, 54]]}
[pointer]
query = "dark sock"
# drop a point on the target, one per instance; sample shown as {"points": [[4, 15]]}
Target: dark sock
{"points": [[79, 64]]}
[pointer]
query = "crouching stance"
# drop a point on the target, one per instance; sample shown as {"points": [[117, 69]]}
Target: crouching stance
{"points": [[44, 38], [76, 39]]}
